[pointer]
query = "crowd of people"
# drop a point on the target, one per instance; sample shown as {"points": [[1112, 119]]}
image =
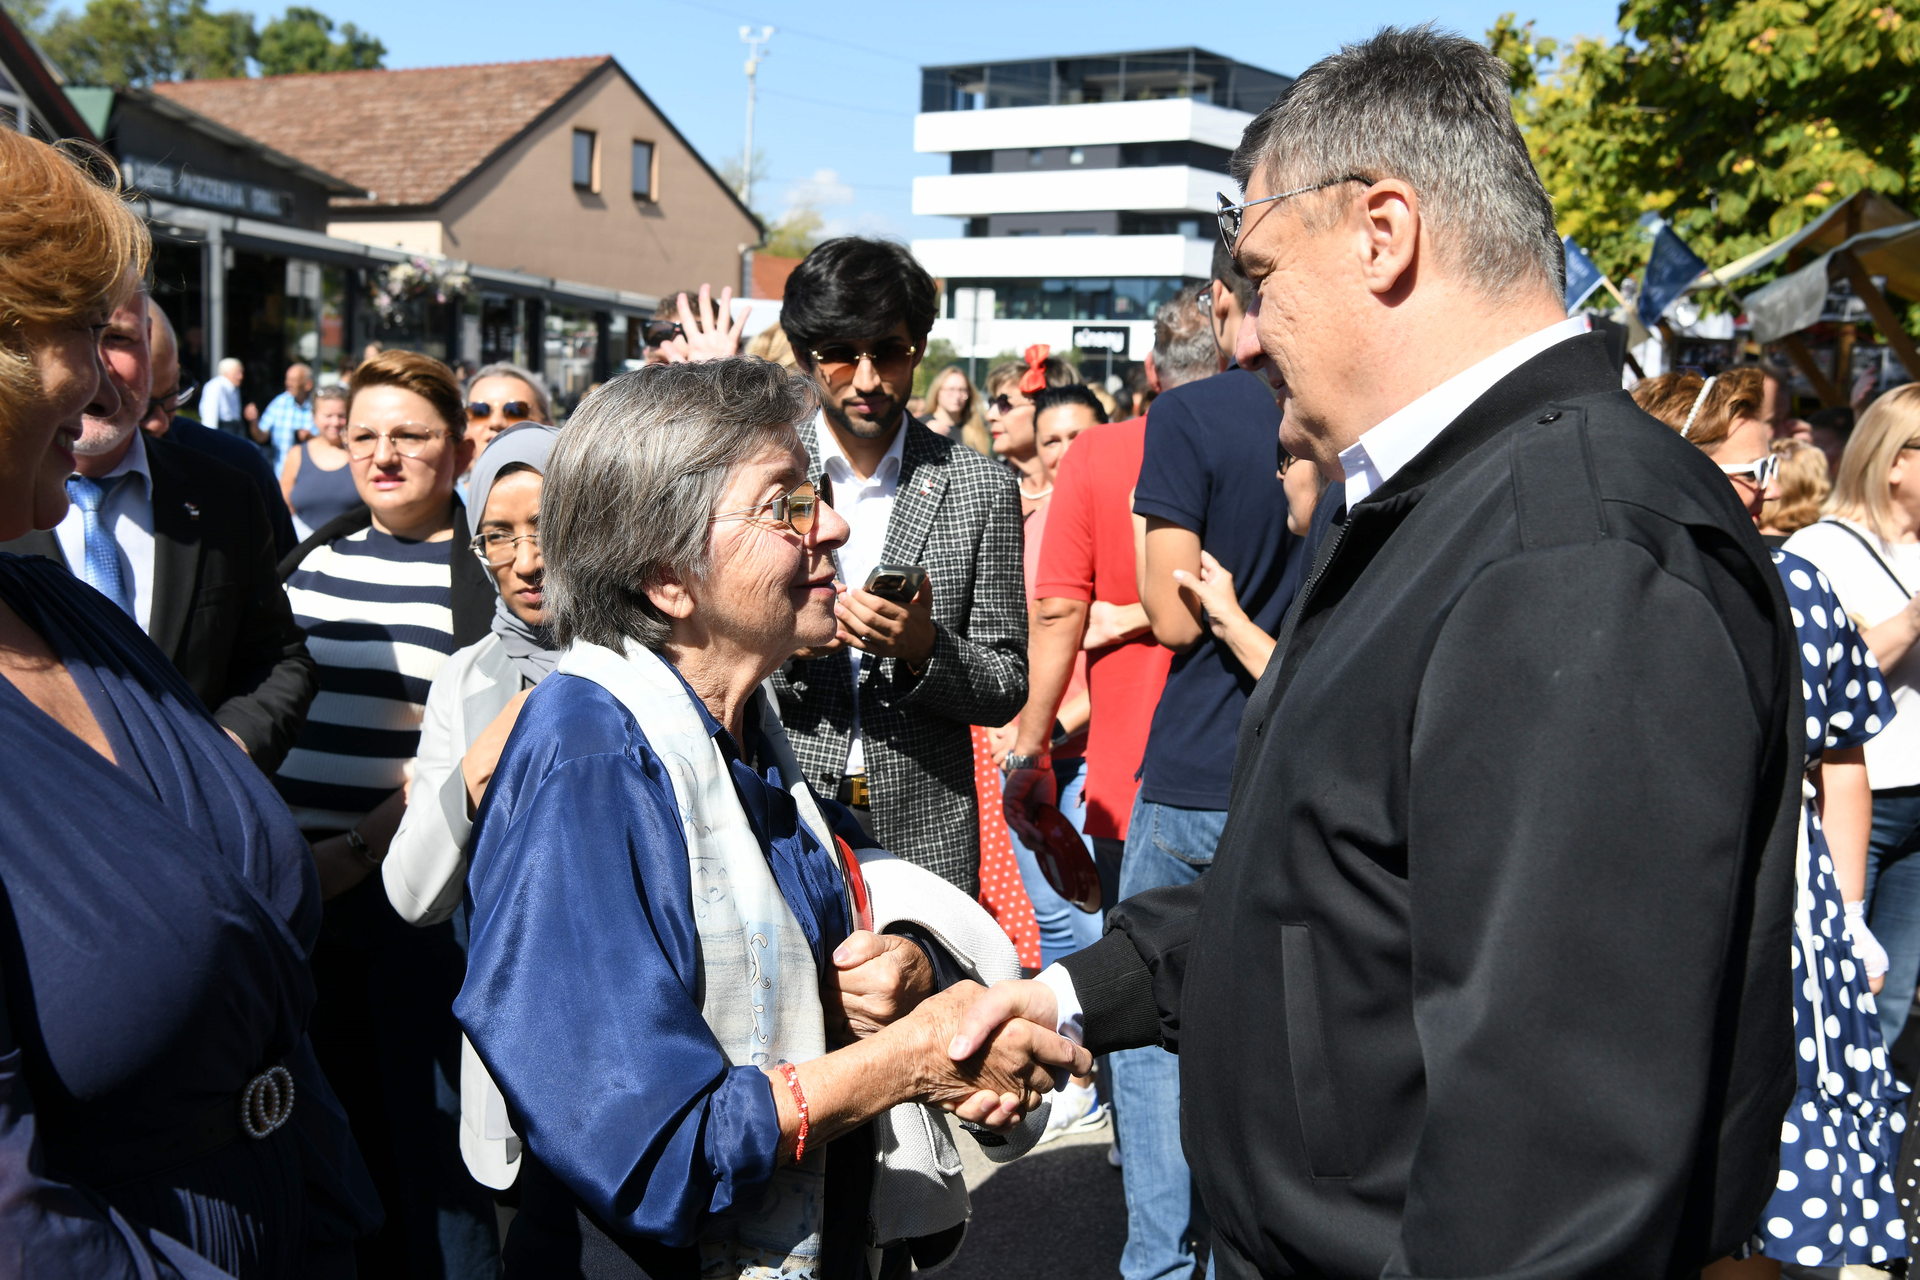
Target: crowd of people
{"points": [[1443, 813]]}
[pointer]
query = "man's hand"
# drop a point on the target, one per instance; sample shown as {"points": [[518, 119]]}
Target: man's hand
{"points": [[997, 1012], [1021, 795], [885, 629], [483, 757], [878, 978], [1109, 623], [1009, 1067], [707, 332]]}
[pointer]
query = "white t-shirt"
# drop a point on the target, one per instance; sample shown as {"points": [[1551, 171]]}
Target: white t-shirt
{"points": [[1870, 595]]}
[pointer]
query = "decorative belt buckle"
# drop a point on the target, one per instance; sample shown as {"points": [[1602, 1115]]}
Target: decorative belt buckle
{"points": [[266, 1102], [857, 791]]}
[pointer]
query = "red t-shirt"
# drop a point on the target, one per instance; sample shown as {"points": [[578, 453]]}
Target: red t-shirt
{"points": [[1087, 554]]}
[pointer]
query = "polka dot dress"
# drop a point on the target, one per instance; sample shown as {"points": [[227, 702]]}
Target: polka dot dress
{"points": [[1001, 892], [1835, 1202]]}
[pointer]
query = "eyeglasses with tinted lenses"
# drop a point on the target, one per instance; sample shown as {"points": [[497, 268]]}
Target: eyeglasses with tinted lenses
{"points": [[838, 360], [1004, 404], [1759, 473], [497, 548], [796, 510], [511, 410], [1230, 213], [409, 440]]}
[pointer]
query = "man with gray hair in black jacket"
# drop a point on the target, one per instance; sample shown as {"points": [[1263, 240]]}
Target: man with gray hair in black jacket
{"points": [[1490, 976]]}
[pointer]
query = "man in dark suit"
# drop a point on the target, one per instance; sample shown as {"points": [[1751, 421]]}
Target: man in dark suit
{"points": [[182, 543], [881, 716], [1490, 976], [161, 422]]}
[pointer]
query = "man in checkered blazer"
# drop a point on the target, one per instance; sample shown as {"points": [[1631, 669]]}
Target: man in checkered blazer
{"points": [[881, 717]]}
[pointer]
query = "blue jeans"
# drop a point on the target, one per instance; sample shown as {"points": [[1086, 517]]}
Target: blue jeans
{"points": [[1064, 928], [1893, 901], [1165, 846]]}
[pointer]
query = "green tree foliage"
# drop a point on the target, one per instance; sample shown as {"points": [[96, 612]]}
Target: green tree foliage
{"points": [[1735, 120], [790, 234], [302, 40], [139, 42]]}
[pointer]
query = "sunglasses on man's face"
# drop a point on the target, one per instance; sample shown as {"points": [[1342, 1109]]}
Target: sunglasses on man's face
{"points": [[511, 410]]}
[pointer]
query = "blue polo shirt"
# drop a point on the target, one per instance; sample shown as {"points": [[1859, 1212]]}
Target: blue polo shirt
{"points": [[1210, 466]]}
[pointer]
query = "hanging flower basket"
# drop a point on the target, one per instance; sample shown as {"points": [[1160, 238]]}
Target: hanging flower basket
{"points": [[440, 280]]}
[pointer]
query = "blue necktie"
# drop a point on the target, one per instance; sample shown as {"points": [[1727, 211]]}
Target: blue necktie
{"points": [[102, 570]]}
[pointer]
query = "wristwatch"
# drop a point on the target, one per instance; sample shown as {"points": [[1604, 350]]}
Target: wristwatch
{"points": [[1014, 762], [361, 849]]}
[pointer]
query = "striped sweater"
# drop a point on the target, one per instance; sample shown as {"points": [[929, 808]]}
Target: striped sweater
{"points": [[377, 612]]}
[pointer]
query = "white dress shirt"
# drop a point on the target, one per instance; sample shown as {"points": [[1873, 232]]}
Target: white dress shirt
{"points": [[1370, 462], [128, 515], [867, 507], [219, 401]]}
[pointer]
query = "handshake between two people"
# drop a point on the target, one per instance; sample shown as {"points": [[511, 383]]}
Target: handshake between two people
{"points": [[985, 1054]]}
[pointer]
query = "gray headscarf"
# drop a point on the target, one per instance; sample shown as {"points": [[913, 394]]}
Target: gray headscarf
{"points": [[530, 445]]}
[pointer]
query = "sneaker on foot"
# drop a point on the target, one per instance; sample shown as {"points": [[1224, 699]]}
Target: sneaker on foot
{"points": [[1076, 1109], [1113, 1154]]}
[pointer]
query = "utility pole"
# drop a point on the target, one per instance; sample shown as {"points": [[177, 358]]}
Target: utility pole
{"points": [[753, 42]]}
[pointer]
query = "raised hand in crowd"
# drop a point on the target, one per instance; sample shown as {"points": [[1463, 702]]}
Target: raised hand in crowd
{"points": [[707, 330], [1212, 587], [884, 629]]}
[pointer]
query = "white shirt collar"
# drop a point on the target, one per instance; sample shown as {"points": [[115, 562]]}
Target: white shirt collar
{"points": [[1372, 460], [135, 463], [834, 462]]}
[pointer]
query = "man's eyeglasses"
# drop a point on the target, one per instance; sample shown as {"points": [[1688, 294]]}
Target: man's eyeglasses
{"points": [[797, 510], [409, 440], [1759, 473], [838, 360], [659, 335], [1231, 213], [170, 403], [511, 410], [497, 548]]}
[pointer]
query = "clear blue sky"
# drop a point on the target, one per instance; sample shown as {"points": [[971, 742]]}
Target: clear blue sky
{"points": [[839, 88]]}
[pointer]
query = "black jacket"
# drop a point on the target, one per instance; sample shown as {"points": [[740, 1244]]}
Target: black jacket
{"points": [[473, 590], [245, 457], [1490, 975], [218, 611]]}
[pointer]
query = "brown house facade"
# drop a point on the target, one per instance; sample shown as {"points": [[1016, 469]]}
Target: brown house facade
{"points": [[561, 168]]}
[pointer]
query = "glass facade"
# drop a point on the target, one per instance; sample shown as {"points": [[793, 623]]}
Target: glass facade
{"points": [[1113, 298], [1125, 77]]}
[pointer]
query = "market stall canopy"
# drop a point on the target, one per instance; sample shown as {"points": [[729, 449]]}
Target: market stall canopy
{"points": [[1795, 301], [1860, 212]]}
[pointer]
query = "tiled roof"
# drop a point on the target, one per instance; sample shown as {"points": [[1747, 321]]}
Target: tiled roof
{"points": [[406, 136]]}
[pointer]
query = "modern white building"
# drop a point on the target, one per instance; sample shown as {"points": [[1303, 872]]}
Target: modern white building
{"points": [[1085, 189]]}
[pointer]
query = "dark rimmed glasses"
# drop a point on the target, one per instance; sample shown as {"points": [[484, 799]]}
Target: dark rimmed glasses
{"points": [[796, 510], [171, 402], [1231, 213], [838, 361], [497, 548]]}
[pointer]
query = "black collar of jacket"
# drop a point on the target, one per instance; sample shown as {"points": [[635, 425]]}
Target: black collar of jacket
{"points": [[473, 591]]}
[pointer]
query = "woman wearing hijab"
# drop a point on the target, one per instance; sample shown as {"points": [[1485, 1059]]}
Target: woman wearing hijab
{"points": [[476, 697]]}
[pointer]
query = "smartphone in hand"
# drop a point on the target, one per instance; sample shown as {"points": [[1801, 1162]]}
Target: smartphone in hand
{"points": [[898, 583]]}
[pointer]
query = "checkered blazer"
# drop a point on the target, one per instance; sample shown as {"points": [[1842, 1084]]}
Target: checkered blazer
{"points": [[957, 515]]}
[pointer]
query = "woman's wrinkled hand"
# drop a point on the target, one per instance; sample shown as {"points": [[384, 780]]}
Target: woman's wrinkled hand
{"points": [[877, 979], [1013, 1065]]}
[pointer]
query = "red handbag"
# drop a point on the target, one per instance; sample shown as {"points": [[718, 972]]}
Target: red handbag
{"points": [[1064, 860]]}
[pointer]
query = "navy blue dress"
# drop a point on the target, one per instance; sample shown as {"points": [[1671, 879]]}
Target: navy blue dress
{"points": [[155, 921], [582, 970], [1834, 1204]]}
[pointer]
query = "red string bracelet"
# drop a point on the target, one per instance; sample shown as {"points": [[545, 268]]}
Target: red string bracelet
{"points": [[800, 1103]]}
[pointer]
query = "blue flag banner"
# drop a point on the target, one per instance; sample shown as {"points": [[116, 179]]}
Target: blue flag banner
{"points": [[1670, 269], [1582, 276]]}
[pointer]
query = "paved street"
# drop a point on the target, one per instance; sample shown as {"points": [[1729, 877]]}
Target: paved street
{"points": [[1058, 1213]]}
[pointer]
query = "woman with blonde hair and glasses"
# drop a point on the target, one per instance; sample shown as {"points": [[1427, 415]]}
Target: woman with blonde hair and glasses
{"points": [[1868, 546], [161, 1110], [1846, 1108], [956, 410]]}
